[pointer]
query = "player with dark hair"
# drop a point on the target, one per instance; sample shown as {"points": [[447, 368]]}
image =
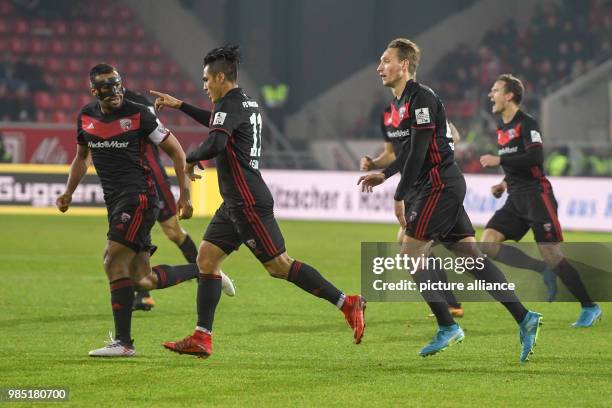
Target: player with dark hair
{"points": [[531, 203], [430, 175], [394, 128], [247, 212], [116, 133], [167, 214]]}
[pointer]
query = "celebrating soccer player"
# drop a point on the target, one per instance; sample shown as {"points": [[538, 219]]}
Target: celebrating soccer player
{"points": [[117, 134], [531, 203], [429, 171], [395, 134], [247, 212], [167, 218]]}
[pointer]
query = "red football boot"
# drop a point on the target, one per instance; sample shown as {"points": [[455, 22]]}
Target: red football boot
{"points": [[198, 344], [354, 311]]}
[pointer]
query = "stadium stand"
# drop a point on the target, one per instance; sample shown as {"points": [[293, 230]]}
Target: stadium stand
{"points": [[47, 49]]}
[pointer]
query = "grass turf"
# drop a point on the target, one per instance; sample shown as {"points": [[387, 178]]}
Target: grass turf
{"points": [[274, 345]]}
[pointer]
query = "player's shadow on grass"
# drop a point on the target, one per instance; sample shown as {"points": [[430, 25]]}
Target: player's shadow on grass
{"points": [[10, 323]]}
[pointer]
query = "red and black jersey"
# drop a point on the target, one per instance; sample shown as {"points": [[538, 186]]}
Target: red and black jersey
{"points": [[394, 124], [419, 116], [118, 143], [520, 149], [240, 181]]}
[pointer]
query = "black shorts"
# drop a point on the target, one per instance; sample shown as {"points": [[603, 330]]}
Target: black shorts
{"points": [[253, 226], [437, 213], [167, 204], [130, 221], [523, 211]]}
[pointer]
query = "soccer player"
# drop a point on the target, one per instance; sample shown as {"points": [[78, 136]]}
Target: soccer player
{"points": [[393, 123], [247, 212], [428, 171], [531, 203], [167, 218], [116, 133]]}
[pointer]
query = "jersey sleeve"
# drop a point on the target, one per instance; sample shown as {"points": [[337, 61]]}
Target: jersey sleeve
{"points": [[226, 117], [152, 127], [423, 111], [80, 133], [530, 132], [383, 129]]}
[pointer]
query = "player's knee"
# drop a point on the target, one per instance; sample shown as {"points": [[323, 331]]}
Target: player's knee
{"points": [[551, 253], [279, 266], [207, 265]]}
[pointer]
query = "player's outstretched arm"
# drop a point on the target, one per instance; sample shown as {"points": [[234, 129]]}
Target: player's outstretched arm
{"points": [[174, 150], [78, 169], [202, 116]]}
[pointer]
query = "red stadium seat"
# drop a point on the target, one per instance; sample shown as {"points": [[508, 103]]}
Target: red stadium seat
{"points": [[101, 30], [54, 64], [57, 46], [65, 101], [188, 87], [68, 83], [154, 68], [20, 27], [80, 29], [118, 49], [78, 46], [75, 65], [37, 46], [169, 85], [59, 27], [155, 50], [83, 99], [42, 100], [139, 33], [133, 67], [17, 46], [124, 13], [99, 48], [59, 116], [172, 68], [41, 116]]}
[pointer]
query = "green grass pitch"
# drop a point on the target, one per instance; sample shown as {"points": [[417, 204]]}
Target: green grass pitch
{"points": [[274, 345]]}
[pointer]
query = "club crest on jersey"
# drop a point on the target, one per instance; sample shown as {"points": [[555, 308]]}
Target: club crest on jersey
{"points": [[413, 216], [251, 243], [125, 217], [422, 116], [402, 110], [547, 227], [126, 124], [219, 118]]}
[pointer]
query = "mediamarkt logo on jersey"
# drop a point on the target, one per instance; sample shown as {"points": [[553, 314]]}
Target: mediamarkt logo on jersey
{"points": [[398, 133], [106, 144]]}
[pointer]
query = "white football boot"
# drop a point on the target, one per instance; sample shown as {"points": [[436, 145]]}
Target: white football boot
{"points": [[114, 348], [227, 285]]}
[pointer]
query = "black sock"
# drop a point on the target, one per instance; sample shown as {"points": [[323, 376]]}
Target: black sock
{"points": [[571, 279], [209, 293], [434, 298], [309, 279], [491, 273], [122, 298], [189, 249], [515, 257], [169, 275], [449, 295], [143, 294]]}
